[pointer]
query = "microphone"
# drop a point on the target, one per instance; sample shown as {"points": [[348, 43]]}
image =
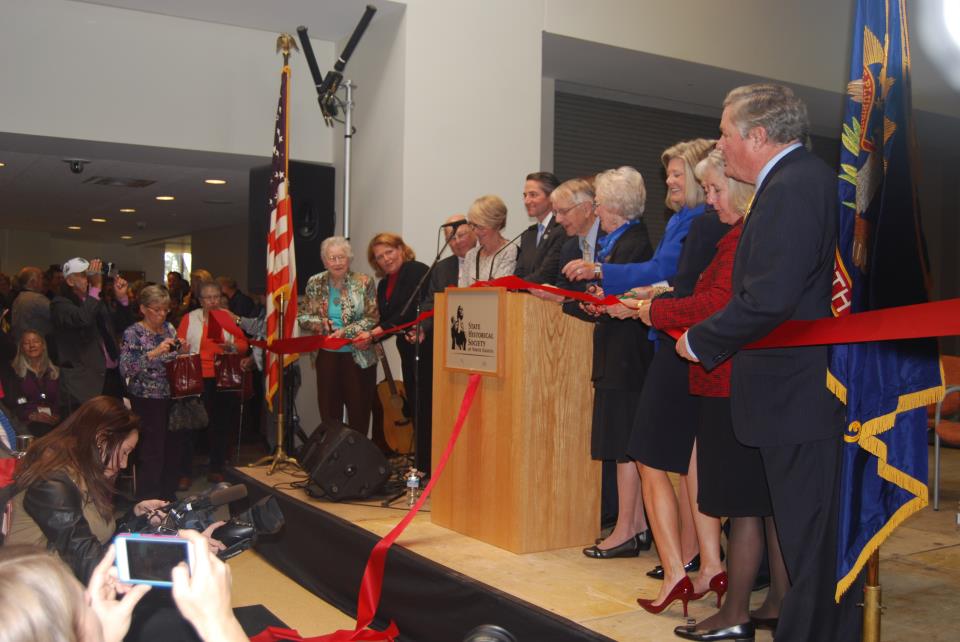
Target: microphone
{"points": [[311, 58], [220, 495], [454, 225], [497, 253], [331, 83]]}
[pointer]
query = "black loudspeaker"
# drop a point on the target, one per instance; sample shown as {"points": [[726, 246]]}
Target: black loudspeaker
{"points": [[313, 190], [343, 464]]}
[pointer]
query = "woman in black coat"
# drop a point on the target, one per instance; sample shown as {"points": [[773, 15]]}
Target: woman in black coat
{"points": [[394, 261]]}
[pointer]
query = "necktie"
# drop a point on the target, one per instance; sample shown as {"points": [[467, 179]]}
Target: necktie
{"points": [[587, 251], [540, 229]]}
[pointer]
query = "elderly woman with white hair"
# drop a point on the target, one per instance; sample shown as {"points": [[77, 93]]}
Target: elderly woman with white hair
{"points": [[607, 228], [491, 259], [340, 303]]}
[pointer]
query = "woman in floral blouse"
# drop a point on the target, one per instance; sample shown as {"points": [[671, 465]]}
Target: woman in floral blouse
{"points": [[147, 346], [342, 303]]}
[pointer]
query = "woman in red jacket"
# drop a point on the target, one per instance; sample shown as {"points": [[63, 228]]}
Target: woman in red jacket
{"points": [[731, 476]]}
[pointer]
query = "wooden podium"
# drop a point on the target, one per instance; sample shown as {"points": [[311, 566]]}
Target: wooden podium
{"points": [[521, 477]]}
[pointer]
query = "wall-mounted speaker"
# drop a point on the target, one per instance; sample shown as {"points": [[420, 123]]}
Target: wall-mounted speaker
{"points": [[313, 194]]}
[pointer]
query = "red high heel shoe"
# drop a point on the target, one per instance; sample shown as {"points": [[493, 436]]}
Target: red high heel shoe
{"points": [[682, 590], [718, 584]]}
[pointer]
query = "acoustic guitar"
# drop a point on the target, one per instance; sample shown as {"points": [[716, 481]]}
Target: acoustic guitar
{"points": [[397, 427]]}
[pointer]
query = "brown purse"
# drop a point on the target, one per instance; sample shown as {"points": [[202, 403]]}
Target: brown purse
{"points": [[228, 371], [185, 375]]}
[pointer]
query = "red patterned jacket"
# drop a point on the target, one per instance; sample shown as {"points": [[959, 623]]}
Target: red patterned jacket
{"points": [[710, 294]]}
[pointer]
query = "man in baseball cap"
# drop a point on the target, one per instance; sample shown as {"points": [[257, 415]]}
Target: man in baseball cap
{"points": [[85, 332]]}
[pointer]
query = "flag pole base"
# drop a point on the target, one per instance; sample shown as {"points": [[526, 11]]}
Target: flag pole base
{"points": [[872, 610], [278, 458]]}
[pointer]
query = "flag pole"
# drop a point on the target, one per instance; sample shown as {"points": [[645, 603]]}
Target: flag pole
{"points": [[285, 43], [279, 455], [872, 607]]}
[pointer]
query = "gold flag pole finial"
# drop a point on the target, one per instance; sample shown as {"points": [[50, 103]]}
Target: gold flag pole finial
{"points": [[286, 43]]}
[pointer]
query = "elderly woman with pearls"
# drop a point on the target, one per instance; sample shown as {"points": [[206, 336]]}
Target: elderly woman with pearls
{"points": [[340, 303], [491, 259]]}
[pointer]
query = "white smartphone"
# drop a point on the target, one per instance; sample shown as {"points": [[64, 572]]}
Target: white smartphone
{"points": [[149, 559]]}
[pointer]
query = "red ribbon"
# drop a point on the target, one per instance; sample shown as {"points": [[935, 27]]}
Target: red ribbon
{"points": [[372, 583]]}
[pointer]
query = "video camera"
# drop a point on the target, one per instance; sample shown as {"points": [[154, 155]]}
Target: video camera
{"points": [[196, 512]]}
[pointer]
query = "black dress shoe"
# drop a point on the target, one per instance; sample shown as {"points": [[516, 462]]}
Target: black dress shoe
{"points": [[645, 540], [768, 623], [630, 548], [740, 633], [690, 567]]}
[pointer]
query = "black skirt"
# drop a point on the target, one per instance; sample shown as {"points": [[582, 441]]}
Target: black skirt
{"points": [[731, 479], [613, 413], [665, 423]]}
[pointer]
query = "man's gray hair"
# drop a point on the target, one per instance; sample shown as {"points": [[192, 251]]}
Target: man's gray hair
{"points": [[774, 107]]}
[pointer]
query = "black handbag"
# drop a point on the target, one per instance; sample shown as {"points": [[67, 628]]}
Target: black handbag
{"points": [[187, 414]]}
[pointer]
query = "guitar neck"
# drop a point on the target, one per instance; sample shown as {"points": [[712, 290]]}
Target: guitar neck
{"points": [[382, 356]]}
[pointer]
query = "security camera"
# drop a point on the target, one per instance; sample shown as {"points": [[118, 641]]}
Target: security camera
{"points": [[76, 164]]}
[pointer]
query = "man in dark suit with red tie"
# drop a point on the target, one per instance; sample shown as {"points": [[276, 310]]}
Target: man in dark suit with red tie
{"points": [[779, 399], [539, 258]]}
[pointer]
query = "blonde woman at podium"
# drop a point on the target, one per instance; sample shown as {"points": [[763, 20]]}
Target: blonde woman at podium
{"points": [[495, 256]]}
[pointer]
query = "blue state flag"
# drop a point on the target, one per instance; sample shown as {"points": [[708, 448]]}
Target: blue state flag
{"points": [[881, 262]]}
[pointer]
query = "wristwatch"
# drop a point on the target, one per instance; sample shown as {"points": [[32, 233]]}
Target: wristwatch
{"points": [[597, 271]]}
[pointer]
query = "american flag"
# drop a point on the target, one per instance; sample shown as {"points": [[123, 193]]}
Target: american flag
{"points": [[281, 258]]}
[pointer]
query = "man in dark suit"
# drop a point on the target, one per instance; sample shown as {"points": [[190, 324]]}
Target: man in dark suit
{"points": [[780, 403], [85, 331], [461, 239], [539, 258]]}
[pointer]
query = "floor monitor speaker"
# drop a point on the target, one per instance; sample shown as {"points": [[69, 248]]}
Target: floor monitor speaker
{"points": [[343, 464]]}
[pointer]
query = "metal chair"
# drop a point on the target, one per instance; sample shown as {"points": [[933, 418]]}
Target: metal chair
{"points": [[946, 419]]}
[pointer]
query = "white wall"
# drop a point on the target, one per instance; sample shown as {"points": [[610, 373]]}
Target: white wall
{"points": [[721, 34], [84, 71], [19, 248]]}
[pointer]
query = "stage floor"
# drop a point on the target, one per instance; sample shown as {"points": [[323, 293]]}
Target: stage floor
{"points": [[599, 595]]}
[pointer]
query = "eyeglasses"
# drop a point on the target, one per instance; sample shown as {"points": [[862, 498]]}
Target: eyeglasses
{"points": [[211, 297], [563, 211], [163, 311]]}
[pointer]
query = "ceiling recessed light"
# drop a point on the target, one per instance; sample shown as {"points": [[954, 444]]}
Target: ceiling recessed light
{"points": [[127, 210], [164, 198], [73, 227], [98, 220], [3, 164], [215, 181], [126, 237]]}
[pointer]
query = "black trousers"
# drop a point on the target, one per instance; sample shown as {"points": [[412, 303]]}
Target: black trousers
{"points": [[342, 383], [223, 409], [418, 383], [157, 450], [804, 481]]}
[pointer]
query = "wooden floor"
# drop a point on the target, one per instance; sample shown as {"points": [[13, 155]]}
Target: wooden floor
{"points": [[920, 573]]}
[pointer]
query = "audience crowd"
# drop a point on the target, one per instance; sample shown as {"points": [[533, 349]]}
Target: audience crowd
{"points": [[78, 341]]}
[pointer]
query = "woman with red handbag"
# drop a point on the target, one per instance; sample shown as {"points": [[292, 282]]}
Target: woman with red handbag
{"points": [[147, 347], [200, 333]]}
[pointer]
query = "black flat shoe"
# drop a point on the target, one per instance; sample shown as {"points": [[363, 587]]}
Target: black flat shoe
{"points": [[641, 535], [690, 567], [630, 548], [645, 540], [740, 633], [768, 623]]}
